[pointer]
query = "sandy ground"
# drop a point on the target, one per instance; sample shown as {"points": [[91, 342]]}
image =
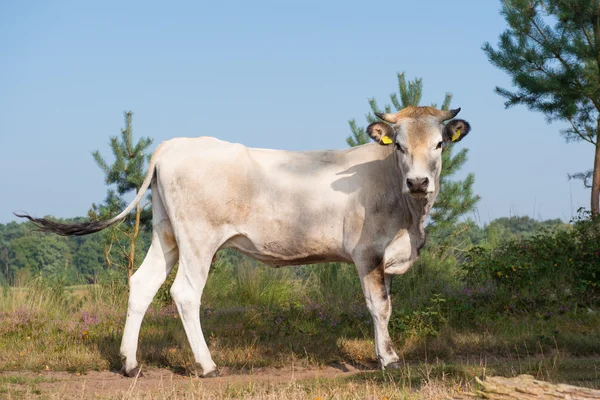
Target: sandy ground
{"points": [[110, 384]]}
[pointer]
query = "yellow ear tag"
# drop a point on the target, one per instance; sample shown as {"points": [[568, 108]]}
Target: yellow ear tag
{"points": [[456, 135], [386, 140]]}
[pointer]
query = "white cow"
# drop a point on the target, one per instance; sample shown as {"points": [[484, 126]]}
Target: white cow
{"points": [[365, 205]]}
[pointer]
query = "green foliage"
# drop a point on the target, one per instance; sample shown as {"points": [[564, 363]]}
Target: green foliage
{"points": [[23, 249], [555, 269], [88, 257], [255, 284], [26, 253], [550, 50], [455, 198], [424, 322], [519, 227], [129, 168], [127, 172]]}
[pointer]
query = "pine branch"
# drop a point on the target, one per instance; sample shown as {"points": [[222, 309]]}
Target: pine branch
{"points": [[373, 105], [100, 161], [447, 101]]}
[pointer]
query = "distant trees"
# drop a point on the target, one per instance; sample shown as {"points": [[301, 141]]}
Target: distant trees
{"points": [[127, 173], [456, 197], [25, 253], [76, 260], [4, 249], [88, 256], [551, 50]]}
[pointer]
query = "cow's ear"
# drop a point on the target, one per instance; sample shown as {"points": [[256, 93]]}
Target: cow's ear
{"points": [[381, 132], [456, 130]]}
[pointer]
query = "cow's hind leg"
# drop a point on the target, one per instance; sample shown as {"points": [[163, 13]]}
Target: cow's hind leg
{"points": [[144, 284], [376, 288], [194, 264]]}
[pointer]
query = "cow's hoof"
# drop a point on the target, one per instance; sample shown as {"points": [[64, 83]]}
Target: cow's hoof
{"points": [[394, 365], [212, 374], [133, 373]]}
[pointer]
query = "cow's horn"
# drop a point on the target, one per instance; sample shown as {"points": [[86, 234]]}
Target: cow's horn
{"points": [[449, 114], [391, 118]]}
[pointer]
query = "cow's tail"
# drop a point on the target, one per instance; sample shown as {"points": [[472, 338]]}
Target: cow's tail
{"points": [[86, 228]]}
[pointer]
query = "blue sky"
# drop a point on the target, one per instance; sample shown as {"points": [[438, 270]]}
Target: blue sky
{"points": [[276, 74]]}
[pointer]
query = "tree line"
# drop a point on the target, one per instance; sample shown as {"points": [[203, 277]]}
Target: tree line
{"points": [[25, 253]]}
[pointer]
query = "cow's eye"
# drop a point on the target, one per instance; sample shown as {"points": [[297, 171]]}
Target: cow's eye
{"points": [[439, 145], [400, 148]]}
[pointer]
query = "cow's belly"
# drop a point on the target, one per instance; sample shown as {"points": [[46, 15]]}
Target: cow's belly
{"points": [[286, 251]]}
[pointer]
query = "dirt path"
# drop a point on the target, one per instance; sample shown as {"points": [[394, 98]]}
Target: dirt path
{"points": [[111, 384]]}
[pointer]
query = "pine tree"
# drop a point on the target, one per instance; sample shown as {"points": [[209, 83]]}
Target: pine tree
{"points": [[127, 173], [455, 198], [551, 50]]}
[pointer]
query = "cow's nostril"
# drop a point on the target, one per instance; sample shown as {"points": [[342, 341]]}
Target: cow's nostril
{"points": [[417, 184]]}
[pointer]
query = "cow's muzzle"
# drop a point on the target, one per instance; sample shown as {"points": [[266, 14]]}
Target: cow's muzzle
{"points": [[417, 186]]}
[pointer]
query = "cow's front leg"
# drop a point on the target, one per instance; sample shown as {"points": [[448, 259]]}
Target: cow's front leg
{"points": [[376, 287]]}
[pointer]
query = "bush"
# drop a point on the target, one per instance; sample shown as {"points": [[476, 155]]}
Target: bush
{"points": [[555, 268]]}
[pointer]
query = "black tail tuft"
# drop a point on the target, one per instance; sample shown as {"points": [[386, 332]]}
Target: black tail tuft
{"points": [[85, 228]]}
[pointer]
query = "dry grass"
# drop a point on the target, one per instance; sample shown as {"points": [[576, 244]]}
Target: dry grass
{"points": [[79, 330]]}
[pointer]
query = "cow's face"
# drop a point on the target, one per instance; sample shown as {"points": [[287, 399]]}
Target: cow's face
{"points": [[419, 136]]}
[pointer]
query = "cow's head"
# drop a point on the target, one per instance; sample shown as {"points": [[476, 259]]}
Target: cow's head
{"points": [[419, 135]]}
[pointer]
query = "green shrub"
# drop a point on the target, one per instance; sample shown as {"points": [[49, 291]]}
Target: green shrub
{"points": [[554, 269], [426, 321]]}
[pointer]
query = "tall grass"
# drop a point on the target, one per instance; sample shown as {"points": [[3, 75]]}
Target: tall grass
{"points": [[254, 316]]}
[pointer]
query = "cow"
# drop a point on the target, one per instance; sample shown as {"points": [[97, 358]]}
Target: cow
{"points": [[365, 205]]}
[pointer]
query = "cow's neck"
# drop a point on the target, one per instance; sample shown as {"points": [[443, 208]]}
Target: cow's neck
{"points": [[418, 208], [409, 227]]}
